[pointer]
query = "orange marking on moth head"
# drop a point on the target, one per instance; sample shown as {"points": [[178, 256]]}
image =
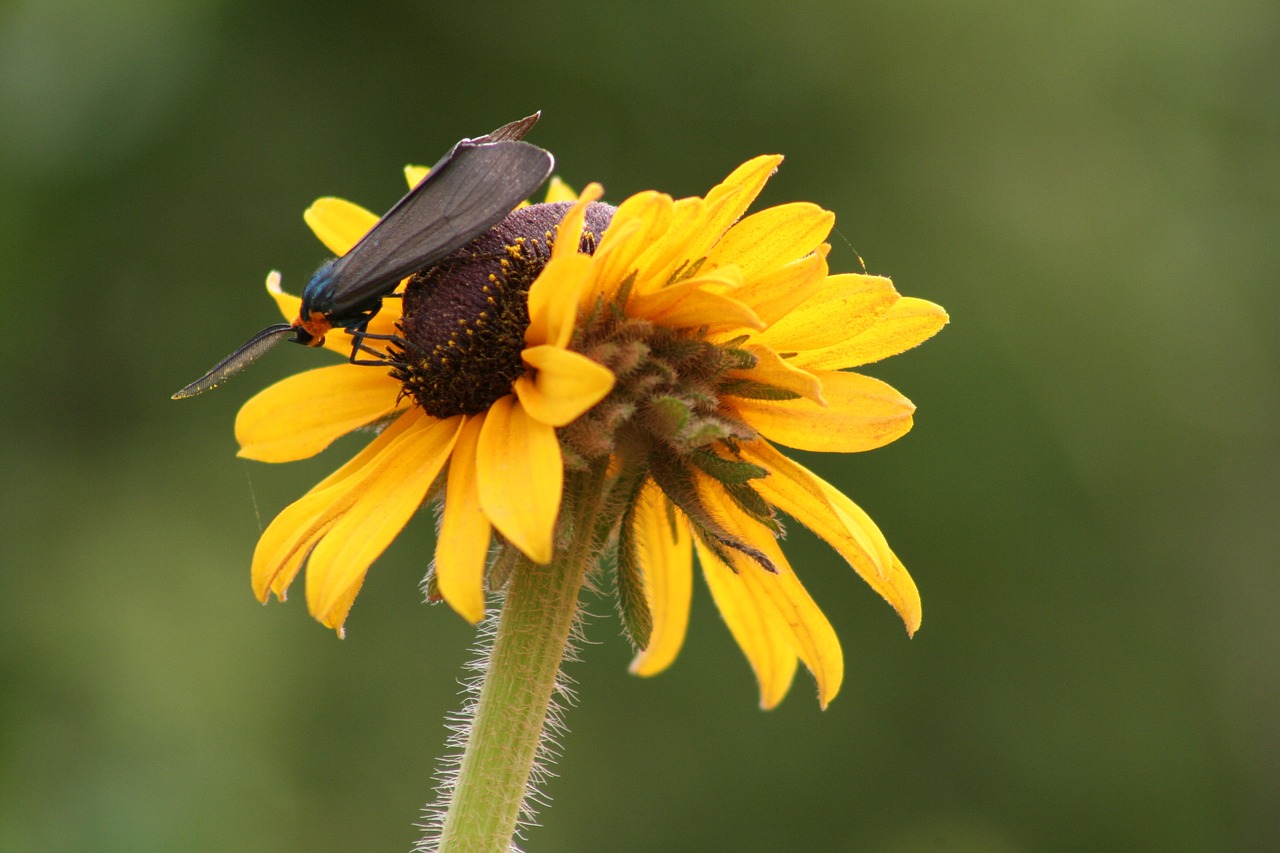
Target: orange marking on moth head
{"points": [[314, 326]]}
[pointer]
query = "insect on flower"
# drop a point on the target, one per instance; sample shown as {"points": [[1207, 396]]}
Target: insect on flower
{"points": [[472, 187]]}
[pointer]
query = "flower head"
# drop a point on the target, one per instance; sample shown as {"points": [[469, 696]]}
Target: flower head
{"points": [[670, 342]]}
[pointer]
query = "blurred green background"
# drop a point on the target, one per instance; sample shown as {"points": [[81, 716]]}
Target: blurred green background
{"points": [[1088, 501]]}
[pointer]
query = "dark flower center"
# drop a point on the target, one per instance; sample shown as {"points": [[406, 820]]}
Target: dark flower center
{"points": [[465, 317]]}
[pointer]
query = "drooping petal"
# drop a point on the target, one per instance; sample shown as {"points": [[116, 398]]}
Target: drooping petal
{"points": [[565, 384], [803, 495], [843, 307], [666, 559], [295, 531], [861, 414], [908, 323], [338, 223], [463, 543], [797, 616], [303, 414], [521, 477], [383, 496], [778, 372], [908, 597], [811, 635], [772, 237], [753, 627], [839, 522]]}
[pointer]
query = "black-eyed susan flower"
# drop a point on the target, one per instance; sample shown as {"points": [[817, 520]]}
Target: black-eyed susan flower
{"points": [[670, 346]]}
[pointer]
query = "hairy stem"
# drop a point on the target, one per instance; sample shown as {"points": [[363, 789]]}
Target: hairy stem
{"points": [[511, 713]]}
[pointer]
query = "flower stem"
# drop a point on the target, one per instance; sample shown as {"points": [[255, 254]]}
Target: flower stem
{"points": [[519, 683]]}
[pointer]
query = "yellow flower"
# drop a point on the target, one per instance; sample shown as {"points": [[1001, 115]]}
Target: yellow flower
{"points": [[676, 339]]}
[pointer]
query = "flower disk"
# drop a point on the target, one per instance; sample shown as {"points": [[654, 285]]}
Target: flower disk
{"points": [[464, 322]]}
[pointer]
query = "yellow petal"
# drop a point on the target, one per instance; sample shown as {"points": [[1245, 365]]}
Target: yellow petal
{"points": [[636, 225], [773, 295], [701, 301], [303, 414], [602, 289], [565, 384], [383, 495], [649, 304], [861, 414], [811, 635], [521, 477], [730, 199], [712, 310], [462, 545], [805, 496], [908, 603], [777, 372], [775, 236], [839, 522], [844, 306], [569, 231], [558, 190], [670, 249], [753, 626], [665, 552], [796, 614], [288, 304], [908, 323], [338, 223], [413, 175], [290, 537], [554, 300]]}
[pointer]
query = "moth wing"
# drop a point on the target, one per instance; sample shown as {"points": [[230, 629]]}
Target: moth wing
{"points": [[472, 188]]}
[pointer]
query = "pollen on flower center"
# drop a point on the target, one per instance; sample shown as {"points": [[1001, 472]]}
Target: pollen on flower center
{"points": [[464, 318]]}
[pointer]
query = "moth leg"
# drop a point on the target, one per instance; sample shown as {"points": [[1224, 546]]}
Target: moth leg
{"points": [[379, 357]]}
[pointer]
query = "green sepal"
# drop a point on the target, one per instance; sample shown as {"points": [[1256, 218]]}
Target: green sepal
{"points": [[726, 470], [676, 481], [750, 502], [633, 605], [503, 562], [687, 269], [738, 359], [755, 390], [624, 294], [667, 416]]}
